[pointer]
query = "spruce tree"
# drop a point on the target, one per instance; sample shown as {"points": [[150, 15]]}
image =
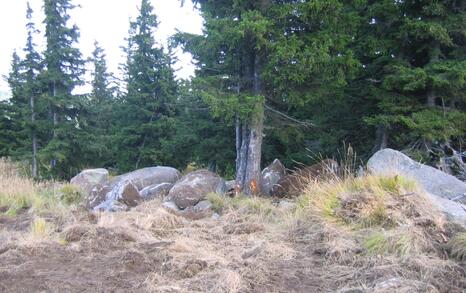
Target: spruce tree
{"points": [[32, 66], [98, 119], [145, 115], [257, 54], [415, 67], [16, 109], [64, 68]]}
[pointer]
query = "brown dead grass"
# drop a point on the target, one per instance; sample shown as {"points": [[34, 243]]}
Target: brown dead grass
{"points": [[369, 234]]}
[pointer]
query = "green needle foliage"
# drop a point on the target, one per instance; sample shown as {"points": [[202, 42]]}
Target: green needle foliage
{"points": [[274, 79]]}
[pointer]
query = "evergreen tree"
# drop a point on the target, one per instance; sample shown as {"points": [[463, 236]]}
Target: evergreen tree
{"points": [[64, 68], [254, 54], [32, 66], [199, 138], [98, 120], [146, 109], [8, 135], [15, 110], [416, 68]]}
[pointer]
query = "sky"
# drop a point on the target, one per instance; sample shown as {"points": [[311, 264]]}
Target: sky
{"points": [[106, 21]]}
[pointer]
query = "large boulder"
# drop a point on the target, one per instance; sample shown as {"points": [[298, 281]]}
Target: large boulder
{"points": [[270, 176], [123, 194], [293, 184], [97, 195], [88, 179], [446, 191], [150, 176], [193, 188]]}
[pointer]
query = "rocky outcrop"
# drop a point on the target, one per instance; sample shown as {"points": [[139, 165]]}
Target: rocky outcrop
{"points": [[293, 184], [446, 191], [125, 190], [193, 188], [88, 179], [271, 175]]}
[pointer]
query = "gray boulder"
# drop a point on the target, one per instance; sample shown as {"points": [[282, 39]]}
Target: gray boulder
{"points": [[150, 176], [88, 179], [160, 190], [123, 195], [270, 176], [97, 195], [446, 191], [193, 188]]}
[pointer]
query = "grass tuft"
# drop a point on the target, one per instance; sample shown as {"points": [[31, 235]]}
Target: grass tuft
{"points": [[41, 229], [245, 204], [70, 194], [458, 246]]}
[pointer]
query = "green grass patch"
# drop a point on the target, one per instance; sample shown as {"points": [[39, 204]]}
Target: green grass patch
{"points": [[244, 203]]}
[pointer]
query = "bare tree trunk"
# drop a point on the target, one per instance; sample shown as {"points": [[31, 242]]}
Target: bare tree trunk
{"points": [[249, 150], [431, 98], [54, 110], [34, 138], [138, 161], [242, 155], [381, 138]]}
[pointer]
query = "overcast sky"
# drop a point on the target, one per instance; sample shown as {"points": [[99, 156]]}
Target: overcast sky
{"points": [[106, 21]]}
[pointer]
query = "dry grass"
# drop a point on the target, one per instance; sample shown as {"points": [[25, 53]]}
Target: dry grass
{"points": [[20, 192], [376, 234], [458, 246]]}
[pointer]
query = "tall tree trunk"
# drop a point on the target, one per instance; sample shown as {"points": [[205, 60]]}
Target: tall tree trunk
{"points": [[431, 98], [141, 148], [249, 149], [33, 135], [381, 138]]}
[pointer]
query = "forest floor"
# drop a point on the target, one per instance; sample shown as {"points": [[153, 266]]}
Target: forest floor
{"points": [[392, 242]]}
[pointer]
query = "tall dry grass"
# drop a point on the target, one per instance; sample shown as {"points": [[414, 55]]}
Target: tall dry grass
{"points": [[20, 192]]}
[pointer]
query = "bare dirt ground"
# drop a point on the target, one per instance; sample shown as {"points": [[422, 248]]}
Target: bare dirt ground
{"points": [[151, 250]]}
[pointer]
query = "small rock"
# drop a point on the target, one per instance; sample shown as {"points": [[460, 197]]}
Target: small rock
{"points": [[156, 191], [287, 205], [252, 253], [111, 206], [270, 176], [171, 206], [201, 210]]}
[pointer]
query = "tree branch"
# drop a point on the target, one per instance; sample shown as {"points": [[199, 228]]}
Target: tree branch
{"points": [[303, 123]]}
